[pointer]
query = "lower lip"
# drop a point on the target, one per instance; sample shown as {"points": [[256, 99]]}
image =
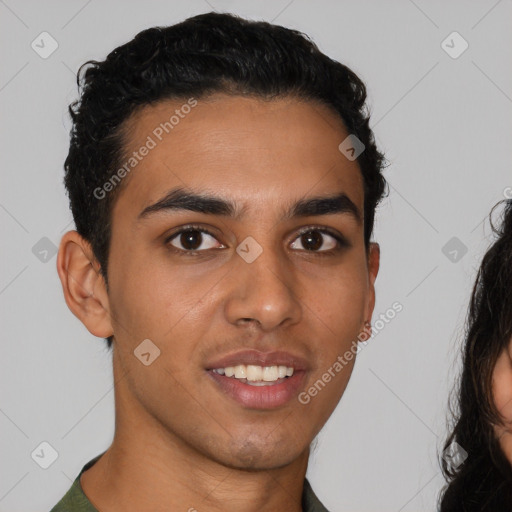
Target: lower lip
{"points": [[259, 397]]}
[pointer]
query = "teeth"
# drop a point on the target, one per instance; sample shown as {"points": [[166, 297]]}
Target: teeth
{"points": [[256, 375], [240, 372], [269, 373], [254, 372]]}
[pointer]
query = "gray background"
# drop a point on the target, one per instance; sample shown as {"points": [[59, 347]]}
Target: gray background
{"points": [[445, 125]]}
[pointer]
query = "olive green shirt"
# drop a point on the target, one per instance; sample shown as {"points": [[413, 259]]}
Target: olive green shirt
{"points": [[76, 501]]}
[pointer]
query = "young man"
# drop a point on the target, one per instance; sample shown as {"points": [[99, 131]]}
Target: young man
{"points": [[223, 179]]}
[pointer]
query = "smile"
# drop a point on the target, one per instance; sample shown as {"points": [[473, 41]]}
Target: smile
{"points": [[259, 394], [255, 375]]}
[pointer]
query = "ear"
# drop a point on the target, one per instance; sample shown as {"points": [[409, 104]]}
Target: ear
{"points": [[83, 285], [373, 270]]}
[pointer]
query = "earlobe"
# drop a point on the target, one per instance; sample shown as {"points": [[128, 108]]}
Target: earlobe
{"points": [[83, 285]]}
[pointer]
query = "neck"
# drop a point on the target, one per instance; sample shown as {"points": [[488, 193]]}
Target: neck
{"points": [[148, 467]]}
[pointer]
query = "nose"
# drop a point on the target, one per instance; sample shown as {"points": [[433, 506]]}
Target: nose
{"points": [[264, 291]]}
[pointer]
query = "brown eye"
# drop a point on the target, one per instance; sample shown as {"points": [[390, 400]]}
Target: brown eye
{"points": [[193, 240], [316, 240], [312, 240]]}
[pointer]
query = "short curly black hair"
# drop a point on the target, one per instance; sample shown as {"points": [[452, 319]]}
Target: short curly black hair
{"points": [[203, 55]]}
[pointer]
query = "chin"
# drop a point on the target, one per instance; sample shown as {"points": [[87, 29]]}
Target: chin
{"points": [[253, 456]]}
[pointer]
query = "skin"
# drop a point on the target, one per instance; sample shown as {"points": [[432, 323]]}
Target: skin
{"points": [[180, 440], [502, 392]]}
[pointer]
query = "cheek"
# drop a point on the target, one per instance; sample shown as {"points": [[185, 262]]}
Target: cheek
{"points": [[337, 317], [340, 303], [502, 386], [154, 299], [502, 393]]}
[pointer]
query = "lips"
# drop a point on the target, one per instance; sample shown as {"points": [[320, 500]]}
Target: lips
{"points": [[259, 397], [254, 357], [269, 396]]}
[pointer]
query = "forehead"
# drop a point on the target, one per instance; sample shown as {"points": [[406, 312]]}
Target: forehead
{"points": [[257, 152]]}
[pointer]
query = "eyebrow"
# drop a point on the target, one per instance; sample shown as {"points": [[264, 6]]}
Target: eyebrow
{"points": [[181, 199]]}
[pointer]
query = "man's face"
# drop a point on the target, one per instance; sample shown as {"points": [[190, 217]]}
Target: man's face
{"points": [[264, 286]]}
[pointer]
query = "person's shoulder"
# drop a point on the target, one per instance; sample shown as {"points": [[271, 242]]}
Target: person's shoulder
{"points": [[75, 499], [310, 502]]}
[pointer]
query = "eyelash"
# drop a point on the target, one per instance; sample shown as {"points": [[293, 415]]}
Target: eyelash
{"points": [[342, 241]]}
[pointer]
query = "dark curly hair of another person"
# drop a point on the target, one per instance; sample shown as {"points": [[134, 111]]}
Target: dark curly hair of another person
{"points": [[482, 481], [203, 55]]}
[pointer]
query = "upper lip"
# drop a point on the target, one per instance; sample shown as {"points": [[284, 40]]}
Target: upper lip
{"points": [[257, 358]]}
